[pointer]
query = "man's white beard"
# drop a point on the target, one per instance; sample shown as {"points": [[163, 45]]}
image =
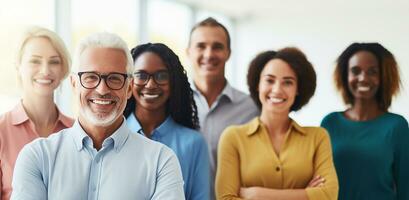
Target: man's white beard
{"points": [[97, 120]]}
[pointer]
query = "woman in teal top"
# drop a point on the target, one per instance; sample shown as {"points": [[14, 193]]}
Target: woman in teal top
{"points": [[370, 144], [163, 109]]}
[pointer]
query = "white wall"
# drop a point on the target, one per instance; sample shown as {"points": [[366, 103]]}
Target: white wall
{"points": [[322, 35]]}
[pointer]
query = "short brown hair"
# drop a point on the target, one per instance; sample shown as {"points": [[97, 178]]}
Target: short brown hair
{"points": [[210, 21], [306, 77], [388, 67]]}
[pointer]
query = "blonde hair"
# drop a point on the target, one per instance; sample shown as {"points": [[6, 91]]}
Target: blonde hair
{"points": [[55, 40]]}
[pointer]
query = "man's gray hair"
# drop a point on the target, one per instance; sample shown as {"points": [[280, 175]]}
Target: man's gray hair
{"points": [[103, 40]]}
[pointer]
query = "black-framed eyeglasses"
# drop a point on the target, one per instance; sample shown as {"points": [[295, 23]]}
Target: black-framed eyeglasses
{"points": [[91, 80], [160, 77]]}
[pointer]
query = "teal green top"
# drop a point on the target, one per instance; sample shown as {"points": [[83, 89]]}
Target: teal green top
{"points": [[371, 157]]}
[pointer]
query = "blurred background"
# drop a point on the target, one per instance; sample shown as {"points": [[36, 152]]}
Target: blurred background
{"points": [[320, 28]]}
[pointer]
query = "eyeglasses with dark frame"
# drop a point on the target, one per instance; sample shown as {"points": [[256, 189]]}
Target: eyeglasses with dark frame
{"points": [[141, 78], [91, 80]]}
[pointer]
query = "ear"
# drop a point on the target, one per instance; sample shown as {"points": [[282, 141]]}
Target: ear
{"points": [[129, 89], [228, 56], [73, 81]]}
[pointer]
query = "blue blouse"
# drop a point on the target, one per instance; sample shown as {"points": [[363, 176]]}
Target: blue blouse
{"points": [[191, 150]]}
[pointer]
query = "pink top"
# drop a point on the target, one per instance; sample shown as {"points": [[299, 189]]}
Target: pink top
{"points": [[16, 130]]}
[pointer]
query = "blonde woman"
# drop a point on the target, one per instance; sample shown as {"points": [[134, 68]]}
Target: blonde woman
{"points": [[42, 62]]}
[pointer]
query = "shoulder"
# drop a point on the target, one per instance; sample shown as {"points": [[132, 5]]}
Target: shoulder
{"points": [[191, 135], [241, 130], [330, 117], [6, 120], [241, 98], [42, 149], [396, 119], [316, 133], [51, 142], [145, 146]]}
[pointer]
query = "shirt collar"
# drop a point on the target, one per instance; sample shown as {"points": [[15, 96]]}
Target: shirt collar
{"points": [[255, 124], [226, 92], [119, 136], [167, 125], [19, 116]]}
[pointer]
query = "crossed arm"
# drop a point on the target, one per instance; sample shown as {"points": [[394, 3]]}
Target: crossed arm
{"points": [[324, 185]]}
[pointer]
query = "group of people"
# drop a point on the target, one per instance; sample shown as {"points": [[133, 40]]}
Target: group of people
{"points": [[144, 131]]}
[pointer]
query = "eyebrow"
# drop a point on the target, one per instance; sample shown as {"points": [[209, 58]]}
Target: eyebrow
{"points": [[286, 77], [38, 56]]}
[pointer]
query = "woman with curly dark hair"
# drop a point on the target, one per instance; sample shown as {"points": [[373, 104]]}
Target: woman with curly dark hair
{"points": [[272, 156], [163, 109], [370, 144]]}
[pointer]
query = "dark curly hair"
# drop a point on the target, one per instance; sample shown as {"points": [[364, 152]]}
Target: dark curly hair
{"points": [[181, 105], [306, 77], [388, 67]]}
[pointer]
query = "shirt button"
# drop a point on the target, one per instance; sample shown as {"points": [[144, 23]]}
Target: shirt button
{"points": [[277, 169]]}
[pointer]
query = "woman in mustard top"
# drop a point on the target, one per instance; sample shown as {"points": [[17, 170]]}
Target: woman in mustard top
{"points": [[272, 157]]}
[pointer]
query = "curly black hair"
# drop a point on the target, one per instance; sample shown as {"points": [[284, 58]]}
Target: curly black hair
{"points": [[299, 64], [181, 105]]}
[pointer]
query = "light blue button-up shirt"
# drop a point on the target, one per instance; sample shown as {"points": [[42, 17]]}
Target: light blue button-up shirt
{"points": [[65, 166], [231, 107], [191, 150]]}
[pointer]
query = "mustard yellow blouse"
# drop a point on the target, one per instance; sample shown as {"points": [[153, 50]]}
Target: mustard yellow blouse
{"points": [[246, 158]]}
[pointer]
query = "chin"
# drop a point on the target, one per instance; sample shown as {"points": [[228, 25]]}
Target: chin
{"points": [[101, 121]]}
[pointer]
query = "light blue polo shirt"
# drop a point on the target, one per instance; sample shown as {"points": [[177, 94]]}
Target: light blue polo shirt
{"points": [[65, 166]]}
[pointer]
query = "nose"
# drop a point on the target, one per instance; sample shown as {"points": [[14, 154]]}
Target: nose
{"points": [[151, 83], [208, 52], [102, 88], [362, 76], [276, 88], [45, 69]]}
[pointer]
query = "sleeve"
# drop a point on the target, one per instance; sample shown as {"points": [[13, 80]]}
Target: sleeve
{"points": [[324, 166], [401, 160], [169, 181], [200, 182], [1, 178], [28, 181], [228, 181]]}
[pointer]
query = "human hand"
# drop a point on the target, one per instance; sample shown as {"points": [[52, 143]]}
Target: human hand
{"points": [[248, 192], [317, 181]]}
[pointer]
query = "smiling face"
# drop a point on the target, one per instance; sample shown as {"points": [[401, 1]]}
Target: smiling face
{"points": [[208, 52], [363, 76], [151, 97], [40, 69], [277, 87], [102, 106]]}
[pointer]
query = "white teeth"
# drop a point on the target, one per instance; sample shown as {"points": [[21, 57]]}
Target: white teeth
{"points": [[277, 100], [102, 102], [150, 96], [363, 88], [43, 81]]}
